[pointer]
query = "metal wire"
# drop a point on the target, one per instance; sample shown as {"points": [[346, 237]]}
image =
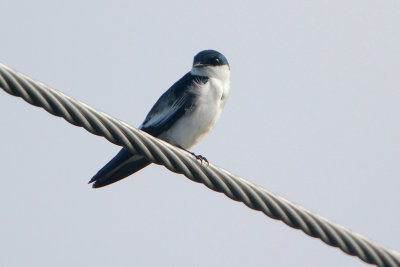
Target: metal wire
{"points": [[179, 161]]}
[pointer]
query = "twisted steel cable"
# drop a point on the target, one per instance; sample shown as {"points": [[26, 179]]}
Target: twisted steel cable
{"points": [[180, 161]]}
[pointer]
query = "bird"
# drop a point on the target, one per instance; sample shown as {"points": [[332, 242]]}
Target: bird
{"points": [[182, 116]]}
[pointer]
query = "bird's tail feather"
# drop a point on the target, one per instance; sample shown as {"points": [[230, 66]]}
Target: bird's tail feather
{"points": [[121, 166]]}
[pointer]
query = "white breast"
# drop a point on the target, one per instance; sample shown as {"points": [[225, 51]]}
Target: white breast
{"points": [[195, 124]]}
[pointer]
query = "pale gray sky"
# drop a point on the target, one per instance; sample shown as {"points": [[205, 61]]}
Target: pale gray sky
{"points": [[313, 116]]}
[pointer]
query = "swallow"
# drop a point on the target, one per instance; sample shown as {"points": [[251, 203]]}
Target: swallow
{"points": [[182, 116]]}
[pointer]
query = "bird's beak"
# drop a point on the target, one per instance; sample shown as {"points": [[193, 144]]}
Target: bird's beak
{"points": [[198, 65]]}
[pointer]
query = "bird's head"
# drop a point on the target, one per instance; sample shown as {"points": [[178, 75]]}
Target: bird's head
{"points": [[212, 64]]}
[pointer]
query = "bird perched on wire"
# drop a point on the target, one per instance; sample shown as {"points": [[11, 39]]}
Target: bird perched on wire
{"points": [[182, 116]]}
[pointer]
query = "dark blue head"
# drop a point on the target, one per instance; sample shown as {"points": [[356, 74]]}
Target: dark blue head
{"points": [[209, 58]]}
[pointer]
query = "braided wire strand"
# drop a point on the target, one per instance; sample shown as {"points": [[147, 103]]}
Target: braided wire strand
{"points": [[180, 161]]}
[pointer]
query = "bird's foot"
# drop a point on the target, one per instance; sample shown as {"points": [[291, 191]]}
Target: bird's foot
{"points": [[201, 158], [198, 157]]}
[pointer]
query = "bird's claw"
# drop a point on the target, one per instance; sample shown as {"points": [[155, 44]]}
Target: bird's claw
{"points": [[198, 157], [201, 158]]}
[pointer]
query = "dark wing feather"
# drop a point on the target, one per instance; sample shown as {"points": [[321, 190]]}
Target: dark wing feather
{"points": [[121, 166], [172, 105]]}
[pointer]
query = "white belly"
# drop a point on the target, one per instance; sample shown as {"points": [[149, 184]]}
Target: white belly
{"points": [[196, 123]]}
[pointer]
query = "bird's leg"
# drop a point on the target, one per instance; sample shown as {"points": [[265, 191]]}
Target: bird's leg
{"points": [[198, 157]]}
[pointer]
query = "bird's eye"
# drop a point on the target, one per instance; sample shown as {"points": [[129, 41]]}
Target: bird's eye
{"points": [[216, 60]]}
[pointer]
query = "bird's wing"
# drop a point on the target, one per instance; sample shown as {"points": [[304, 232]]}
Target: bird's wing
{"points": [[167, 110], [172, 105]]}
